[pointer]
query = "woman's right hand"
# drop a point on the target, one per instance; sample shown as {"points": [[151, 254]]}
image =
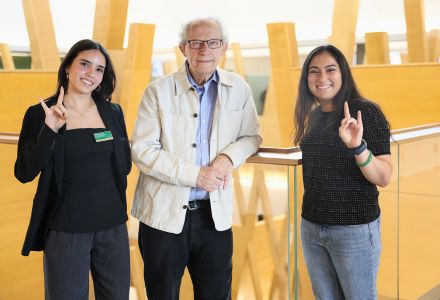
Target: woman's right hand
{"points": [[56, 115]]}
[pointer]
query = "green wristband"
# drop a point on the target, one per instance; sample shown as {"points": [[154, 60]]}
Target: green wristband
{"points": [[367, 162]]}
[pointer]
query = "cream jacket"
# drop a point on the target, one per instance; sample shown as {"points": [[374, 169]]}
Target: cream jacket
{"points": [[163, 146]]}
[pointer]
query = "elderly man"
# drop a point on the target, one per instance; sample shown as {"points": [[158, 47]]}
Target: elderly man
{"points": [[194, 126]]}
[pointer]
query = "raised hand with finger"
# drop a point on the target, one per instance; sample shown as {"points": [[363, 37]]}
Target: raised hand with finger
{"points": [[57, 114], [351, 129]]}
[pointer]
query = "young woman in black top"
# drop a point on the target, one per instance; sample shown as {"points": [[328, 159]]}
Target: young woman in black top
{"points": [[345, 141], [77, 142]]}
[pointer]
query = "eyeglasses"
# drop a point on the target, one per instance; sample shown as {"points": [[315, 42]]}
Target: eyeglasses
{"points": [[198, 44]]}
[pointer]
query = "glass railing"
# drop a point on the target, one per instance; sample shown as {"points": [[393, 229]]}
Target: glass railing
{"points": [[418, 213], [264, 240], [268, 260], [268, 189]]}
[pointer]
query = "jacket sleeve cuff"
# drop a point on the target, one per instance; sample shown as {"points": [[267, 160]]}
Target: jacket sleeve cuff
{"points": [[47, 138], [190, 175], [236, 161]]}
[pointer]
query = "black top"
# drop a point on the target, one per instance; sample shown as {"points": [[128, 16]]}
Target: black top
{"points": [[89, 200], [335, 191], [40, 152]]}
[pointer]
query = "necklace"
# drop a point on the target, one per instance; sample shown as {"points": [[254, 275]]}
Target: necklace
{"points": [[81, 113]]}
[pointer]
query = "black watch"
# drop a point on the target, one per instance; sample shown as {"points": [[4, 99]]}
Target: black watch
{"points": [[359, 149]]}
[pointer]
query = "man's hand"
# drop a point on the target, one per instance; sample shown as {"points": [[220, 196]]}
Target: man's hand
{"points": [[224, 166], [209, 179]]}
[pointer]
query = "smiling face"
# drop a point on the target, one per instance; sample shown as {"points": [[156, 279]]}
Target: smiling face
{"points": [[324, 79], [86, 72], [202, 62]]}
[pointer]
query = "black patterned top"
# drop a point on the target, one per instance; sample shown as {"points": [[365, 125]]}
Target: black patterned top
{"points": [[335, 191]]}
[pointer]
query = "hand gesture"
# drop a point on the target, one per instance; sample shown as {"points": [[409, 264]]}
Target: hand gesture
{"points": [[56, 115], [351, 130], [224, 165], [209, 179]]}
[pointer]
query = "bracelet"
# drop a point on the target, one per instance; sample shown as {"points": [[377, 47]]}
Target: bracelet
{"points": [[359, 149], [367, 162]]}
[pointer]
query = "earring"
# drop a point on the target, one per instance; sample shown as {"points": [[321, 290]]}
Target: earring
{"points": [[67, 76]]}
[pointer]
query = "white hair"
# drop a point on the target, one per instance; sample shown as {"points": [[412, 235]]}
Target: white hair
{"points": [[187, 26]]}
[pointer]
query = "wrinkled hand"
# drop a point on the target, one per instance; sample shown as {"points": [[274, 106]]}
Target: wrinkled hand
{"points": [[351, 129], [223, 164], [56, 115], [209, 179]]}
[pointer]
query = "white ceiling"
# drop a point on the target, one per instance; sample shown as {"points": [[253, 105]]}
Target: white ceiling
{"points": [[244, 19]]}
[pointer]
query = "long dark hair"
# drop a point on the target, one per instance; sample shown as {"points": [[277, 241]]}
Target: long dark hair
{"points": [[108, 83], [306, 101]]}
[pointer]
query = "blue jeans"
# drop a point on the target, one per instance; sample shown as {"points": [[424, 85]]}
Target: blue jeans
{"points": [[342, 261]]}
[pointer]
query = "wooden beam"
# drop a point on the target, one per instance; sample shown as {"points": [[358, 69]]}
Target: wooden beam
{"points": [[283, 45], [222, 63], [376, 48], [415, 31], [343, 35], [41, 33], [110, 23], [137, 70], [8, 62], [404, 58], [118, 60], [283, 58], [434, 45], [180, 58], [238, 59]]}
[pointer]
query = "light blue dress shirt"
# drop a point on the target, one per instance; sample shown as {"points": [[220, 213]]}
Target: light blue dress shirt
{"points": [[207, 96]]}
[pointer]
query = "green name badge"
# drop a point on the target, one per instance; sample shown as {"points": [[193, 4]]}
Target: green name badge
{"points": [[103, 136]]}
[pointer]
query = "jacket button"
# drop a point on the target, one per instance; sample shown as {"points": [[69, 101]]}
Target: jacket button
{"points": [[195, 115], [194, 145], [185, 206]]}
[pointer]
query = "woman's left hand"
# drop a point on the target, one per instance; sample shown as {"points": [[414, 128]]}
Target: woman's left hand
{"points": [[351, 129]]}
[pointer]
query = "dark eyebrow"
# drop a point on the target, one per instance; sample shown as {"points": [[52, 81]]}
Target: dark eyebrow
{"points": [[325, 67], [332, 65], [87, 61]]}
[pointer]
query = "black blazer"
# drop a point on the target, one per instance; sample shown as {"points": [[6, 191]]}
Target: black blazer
{"points": [[41, 151]]}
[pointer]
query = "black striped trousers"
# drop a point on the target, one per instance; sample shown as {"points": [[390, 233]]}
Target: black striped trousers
{"points": [[68, 257]]}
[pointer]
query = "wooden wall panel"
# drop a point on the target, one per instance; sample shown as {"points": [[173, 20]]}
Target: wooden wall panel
{"points": [[20, 277], [19, 90], [407, 93]]}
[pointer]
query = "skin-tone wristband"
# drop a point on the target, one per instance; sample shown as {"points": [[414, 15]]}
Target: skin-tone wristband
{"points": [[367, 162]]}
